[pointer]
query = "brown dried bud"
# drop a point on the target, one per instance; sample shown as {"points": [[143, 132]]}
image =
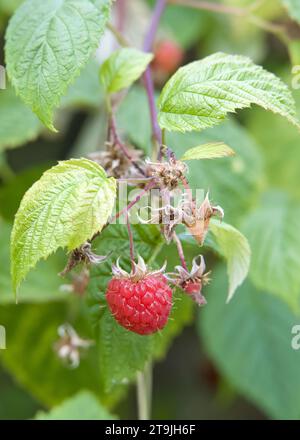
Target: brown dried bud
{"points": [[167, 174], [200, 224], [193, 281]]}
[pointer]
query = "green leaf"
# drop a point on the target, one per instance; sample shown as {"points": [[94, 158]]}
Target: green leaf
{"points": [[18, 124], [81, 406], [293, 7], [234, 247], [234, 184], [122, 68], [67, 206], [47, 45], [273, 233], [250, 342], [201, 93], [212, 150]]}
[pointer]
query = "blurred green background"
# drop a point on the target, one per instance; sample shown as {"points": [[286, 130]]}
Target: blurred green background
{"points": [[230, 361]]}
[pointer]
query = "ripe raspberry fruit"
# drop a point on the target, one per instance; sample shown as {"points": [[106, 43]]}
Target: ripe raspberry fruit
{"points": [[140, 301]]}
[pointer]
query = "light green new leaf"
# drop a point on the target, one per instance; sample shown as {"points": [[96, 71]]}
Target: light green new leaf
{"points": [[249, 340], [122, 68], [47, 44], [82, 406], [212, 150], [232, 244], [18, 124], [273, 233], [201, 93], [293, 7], [66, 207]]}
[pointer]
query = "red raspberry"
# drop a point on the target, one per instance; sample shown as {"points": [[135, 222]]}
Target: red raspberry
{"points": [[168, 56], [141, 302]]}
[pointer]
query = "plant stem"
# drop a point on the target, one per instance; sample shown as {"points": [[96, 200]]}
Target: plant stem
{"points": [[144, 392], [209, 6], [147, 188], [131, 243], [121, 145], [180, 250]]}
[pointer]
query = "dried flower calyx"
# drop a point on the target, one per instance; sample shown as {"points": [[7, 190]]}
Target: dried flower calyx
{"points": [[167, 174], [69, 347], [197, 219], [193, 281], [139, 270], [115, 163], [83, 254]]}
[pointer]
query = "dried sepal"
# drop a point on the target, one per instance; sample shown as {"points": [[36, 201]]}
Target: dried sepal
{"points": [[139, 270], [70, 345], [192, 281], [168, 174], [115, 163], [83, 254], [199, 224]]}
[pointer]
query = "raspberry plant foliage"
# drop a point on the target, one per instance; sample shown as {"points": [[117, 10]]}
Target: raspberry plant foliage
{"points": [[73, 201]]}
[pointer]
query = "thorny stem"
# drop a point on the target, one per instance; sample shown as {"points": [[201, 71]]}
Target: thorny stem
{"points": [[147, 188], [148, 82], [131, 243], [118, 36], [273, 28], [121, 145], [180, 250]]}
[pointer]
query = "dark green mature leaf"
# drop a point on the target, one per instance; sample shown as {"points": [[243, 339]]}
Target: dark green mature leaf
{"points": [[201, 93], [67, 206], [12, 192], [232, 183], [81, 406], [250, 342], [123, 68], [18, 124], [279, 145], [47, 45], [123, 353], [273, 233], [31, 333]]}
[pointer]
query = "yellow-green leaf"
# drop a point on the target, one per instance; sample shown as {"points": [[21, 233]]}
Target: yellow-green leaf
{"points": [[67, 206], [212, 150]]}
